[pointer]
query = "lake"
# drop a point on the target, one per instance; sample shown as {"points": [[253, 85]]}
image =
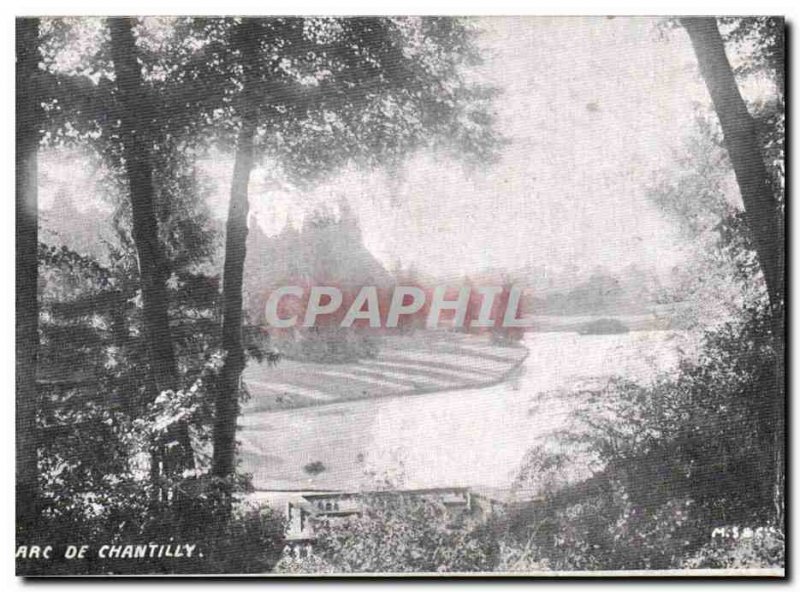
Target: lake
{"points": [[471, 437]]}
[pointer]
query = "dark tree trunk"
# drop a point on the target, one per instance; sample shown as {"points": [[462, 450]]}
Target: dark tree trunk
{"points": [[227, 395], [761, 208], [27, 309], [136, 121], [741, 141], [227, 401]]}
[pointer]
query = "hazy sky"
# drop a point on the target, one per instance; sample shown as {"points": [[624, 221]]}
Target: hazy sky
{"points": [[593, 109]]}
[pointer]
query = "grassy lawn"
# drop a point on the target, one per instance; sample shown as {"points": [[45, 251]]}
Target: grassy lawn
{"points": [[406, 365]]}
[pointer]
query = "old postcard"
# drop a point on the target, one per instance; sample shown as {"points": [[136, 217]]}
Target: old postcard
{"points": [[400, 296]]}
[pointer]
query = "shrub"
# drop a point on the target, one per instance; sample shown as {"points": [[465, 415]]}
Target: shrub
{"points": [[246, 539], [398, 534], [331, 345], [672, 461], [314, 468], [765, 549]]}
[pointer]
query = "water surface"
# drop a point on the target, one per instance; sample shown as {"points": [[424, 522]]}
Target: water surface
{"points": [[471, 437]]}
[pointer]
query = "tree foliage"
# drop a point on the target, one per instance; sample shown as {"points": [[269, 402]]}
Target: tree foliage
{"points": [[697, 449], [146, 99]]}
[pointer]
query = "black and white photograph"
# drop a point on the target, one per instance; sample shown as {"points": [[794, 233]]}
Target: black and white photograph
{"points": [[335, 296]]}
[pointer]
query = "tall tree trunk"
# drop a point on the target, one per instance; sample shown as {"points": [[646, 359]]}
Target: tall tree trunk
{"points": [[135, 124], [227, 395], [136, 120], [761, 208], [739, 130], [27, 309]]}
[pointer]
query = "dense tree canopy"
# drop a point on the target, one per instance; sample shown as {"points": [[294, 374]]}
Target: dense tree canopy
{"points": [[151, 343]]}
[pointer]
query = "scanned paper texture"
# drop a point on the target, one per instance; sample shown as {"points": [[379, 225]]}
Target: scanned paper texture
{"points": [[400, 296]]}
